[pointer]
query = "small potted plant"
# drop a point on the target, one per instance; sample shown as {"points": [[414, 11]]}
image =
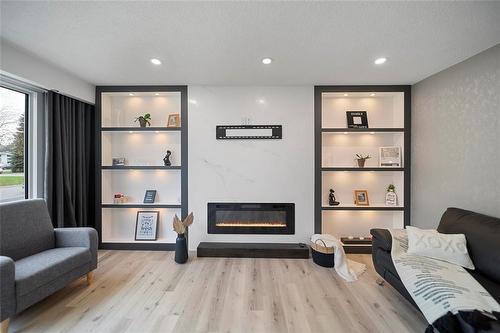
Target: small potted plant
{"points": [[180, 227], [361, 160], [144, 120]]}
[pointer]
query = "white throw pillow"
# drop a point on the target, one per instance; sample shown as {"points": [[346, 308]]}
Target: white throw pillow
{"points": [[447, 247]]}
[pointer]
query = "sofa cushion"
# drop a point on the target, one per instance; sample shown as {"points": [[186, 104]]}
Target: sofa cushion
{"points": [[482, 233], [40, 269], [26, 228]]}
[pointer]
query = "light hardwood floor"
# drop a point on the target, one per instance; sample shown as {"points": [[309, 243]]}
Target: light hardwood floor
{"points": [[140, 291]]}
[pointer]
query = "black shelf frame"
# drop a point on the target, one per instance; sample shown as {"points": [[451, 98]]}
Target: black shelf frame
{"points": [[183, 129], [388, 208], [141, 129], [333, 169], [141, 167], [319, 130], [362, 130], [141, 205]]}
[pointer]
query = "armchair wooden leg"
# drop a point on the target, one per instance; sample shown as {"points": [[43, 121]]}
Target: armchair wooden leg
{"points": [[380, 281], [5, 325], [90, 278]]}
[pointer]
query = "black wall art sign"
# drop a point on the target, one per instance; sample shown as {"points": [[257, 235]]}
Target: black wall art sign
{"points": [[357, 119]]}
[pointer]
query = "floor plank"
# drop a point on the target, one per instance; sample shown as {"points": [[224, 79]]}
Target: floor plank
{"points": [[142, 291]]}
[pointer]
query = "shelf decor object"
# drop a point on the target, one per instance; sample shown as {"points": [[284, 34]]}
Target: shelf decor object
{"points": [[135, 127], [342, 114], [357, 119], [248, 132], [146, 225]]}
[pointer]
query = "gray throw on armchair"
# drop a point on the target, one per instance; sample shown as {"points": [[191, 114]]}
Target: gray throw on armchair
{"points": [[35, 259]]}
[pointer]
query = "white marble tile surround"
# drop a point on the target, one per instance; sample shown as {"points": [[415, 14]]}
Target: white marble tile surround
{"points": [[251, 170]]}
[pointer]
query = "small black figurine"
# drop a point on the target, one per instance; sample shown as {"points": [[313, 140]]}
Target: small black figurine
{"points": [[166, 159], [331, 199]]}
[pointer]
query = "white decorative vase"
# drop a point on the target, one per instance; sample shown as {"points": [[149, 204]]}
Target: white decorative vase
{"points": [[391, 199]]}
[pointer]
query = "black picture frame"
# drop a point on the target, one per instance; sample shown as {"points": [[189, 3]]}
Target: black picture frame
{"points": [[157, 213], [149, 196], [353, 123]]}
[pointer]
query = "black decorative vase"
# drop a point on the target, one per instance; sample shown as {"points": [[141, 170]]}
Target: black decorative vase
{"points": [[181, 252]]}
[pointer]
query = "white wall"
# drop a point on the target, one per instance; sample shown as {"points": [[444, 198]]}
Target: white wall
{"points": [[22, 65], [456, 140], [251, 170]]}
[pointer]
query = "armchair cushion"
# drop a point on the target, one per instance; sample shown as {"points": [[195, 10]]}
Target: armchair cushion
{"points": [[7, 288], [83, 237], [26, 228], [40, 269]]}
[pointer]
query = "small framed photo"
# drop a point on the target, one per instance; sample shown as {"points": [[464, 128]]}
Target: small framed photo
{"points": [[146, 225], [118, 161], [390, 157], [150, 196], [174, 120], [361, 198], [357, 119]]}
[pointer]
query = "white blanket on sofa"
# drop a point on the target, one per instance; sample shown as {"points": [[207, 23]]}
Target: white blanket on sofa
{"points": [[437, 286]]}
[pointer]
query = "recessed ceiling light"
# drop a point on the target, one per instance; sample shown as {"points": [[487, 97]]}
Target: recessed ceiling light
{"points": [[155, 61], [267, 61], [261, 101], [372, 133], [345, 95], [372, 94], [193, 101], [380, 61], [345, 133], [131, 94], [131, 132], [157, 94]]}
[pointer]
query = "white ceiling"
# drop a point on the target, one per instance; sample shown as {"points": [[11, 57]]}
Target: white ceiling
{"points": [[222, 43]]}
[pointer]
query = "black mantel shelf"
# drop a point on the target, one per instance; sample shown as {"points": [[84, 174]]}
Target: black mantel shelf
{"points": [[253, 250]]}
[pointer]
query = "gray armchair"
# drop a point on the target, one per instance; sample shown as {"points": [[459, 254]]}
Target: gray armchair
{"points": [[36, 260]]}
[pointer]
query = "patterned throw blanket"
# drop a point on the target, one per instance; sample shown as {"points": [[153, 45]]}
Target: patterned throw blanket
{"points": [[436, 286]]}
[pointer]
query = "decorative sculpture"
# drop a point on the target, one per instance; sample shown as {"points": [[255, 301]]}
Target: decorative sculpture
{"points": [[166, 159], [331, 199]]}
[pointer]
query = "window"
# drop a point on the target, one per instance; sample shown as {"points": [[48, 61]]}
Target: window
{"points": [[13, 143]]}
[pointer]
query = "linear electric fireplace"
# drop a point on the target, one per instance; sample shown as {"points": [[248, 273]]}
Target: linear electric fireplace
{"points": [[251, 218]]}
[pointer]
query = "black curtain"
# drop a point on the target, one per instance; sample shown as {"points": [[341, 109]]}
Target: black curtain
{"points": [[69, 161]]}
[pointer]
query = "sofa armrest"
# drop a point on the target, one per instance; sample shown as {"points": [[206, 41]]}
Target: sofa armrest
{"points": [[382, 238], [83, 237], [7, 288]]}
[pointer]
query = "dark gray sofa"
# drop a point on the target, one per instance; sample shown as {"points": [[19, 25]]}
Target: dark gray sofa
{"points": [[35, 259], [483, 243]]}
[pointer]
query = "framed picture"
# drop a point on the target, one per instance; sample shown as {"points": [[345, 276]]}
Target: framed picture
{"points": [[117, 161], [357, 119], [361, 198], [150, 196], [390, 157], [174, 120], [146, 225]]}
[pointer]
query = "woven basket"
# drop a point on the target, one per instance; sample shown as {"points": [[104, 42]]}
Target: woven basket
{"points": [[322, 255]]}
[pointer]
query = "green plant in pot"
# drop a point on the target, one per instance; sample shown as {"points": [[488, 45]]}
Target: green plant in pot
{"points": [[361, 160], [180, 227], [144, 120]]}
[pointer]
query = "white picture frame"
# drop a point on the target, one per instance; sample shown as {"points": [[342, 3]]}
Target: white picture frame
{"points": [[146, 225], [390, 157]]}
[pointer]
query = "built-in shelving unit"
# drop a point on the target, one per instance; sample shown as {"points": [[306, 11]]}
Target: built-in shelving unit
{"points": [[389, 122], [143, 148]]}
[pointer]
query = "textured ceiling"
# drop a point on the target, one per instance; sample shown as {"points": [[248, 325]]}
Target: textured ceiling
{"points": [[223, 42]]}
